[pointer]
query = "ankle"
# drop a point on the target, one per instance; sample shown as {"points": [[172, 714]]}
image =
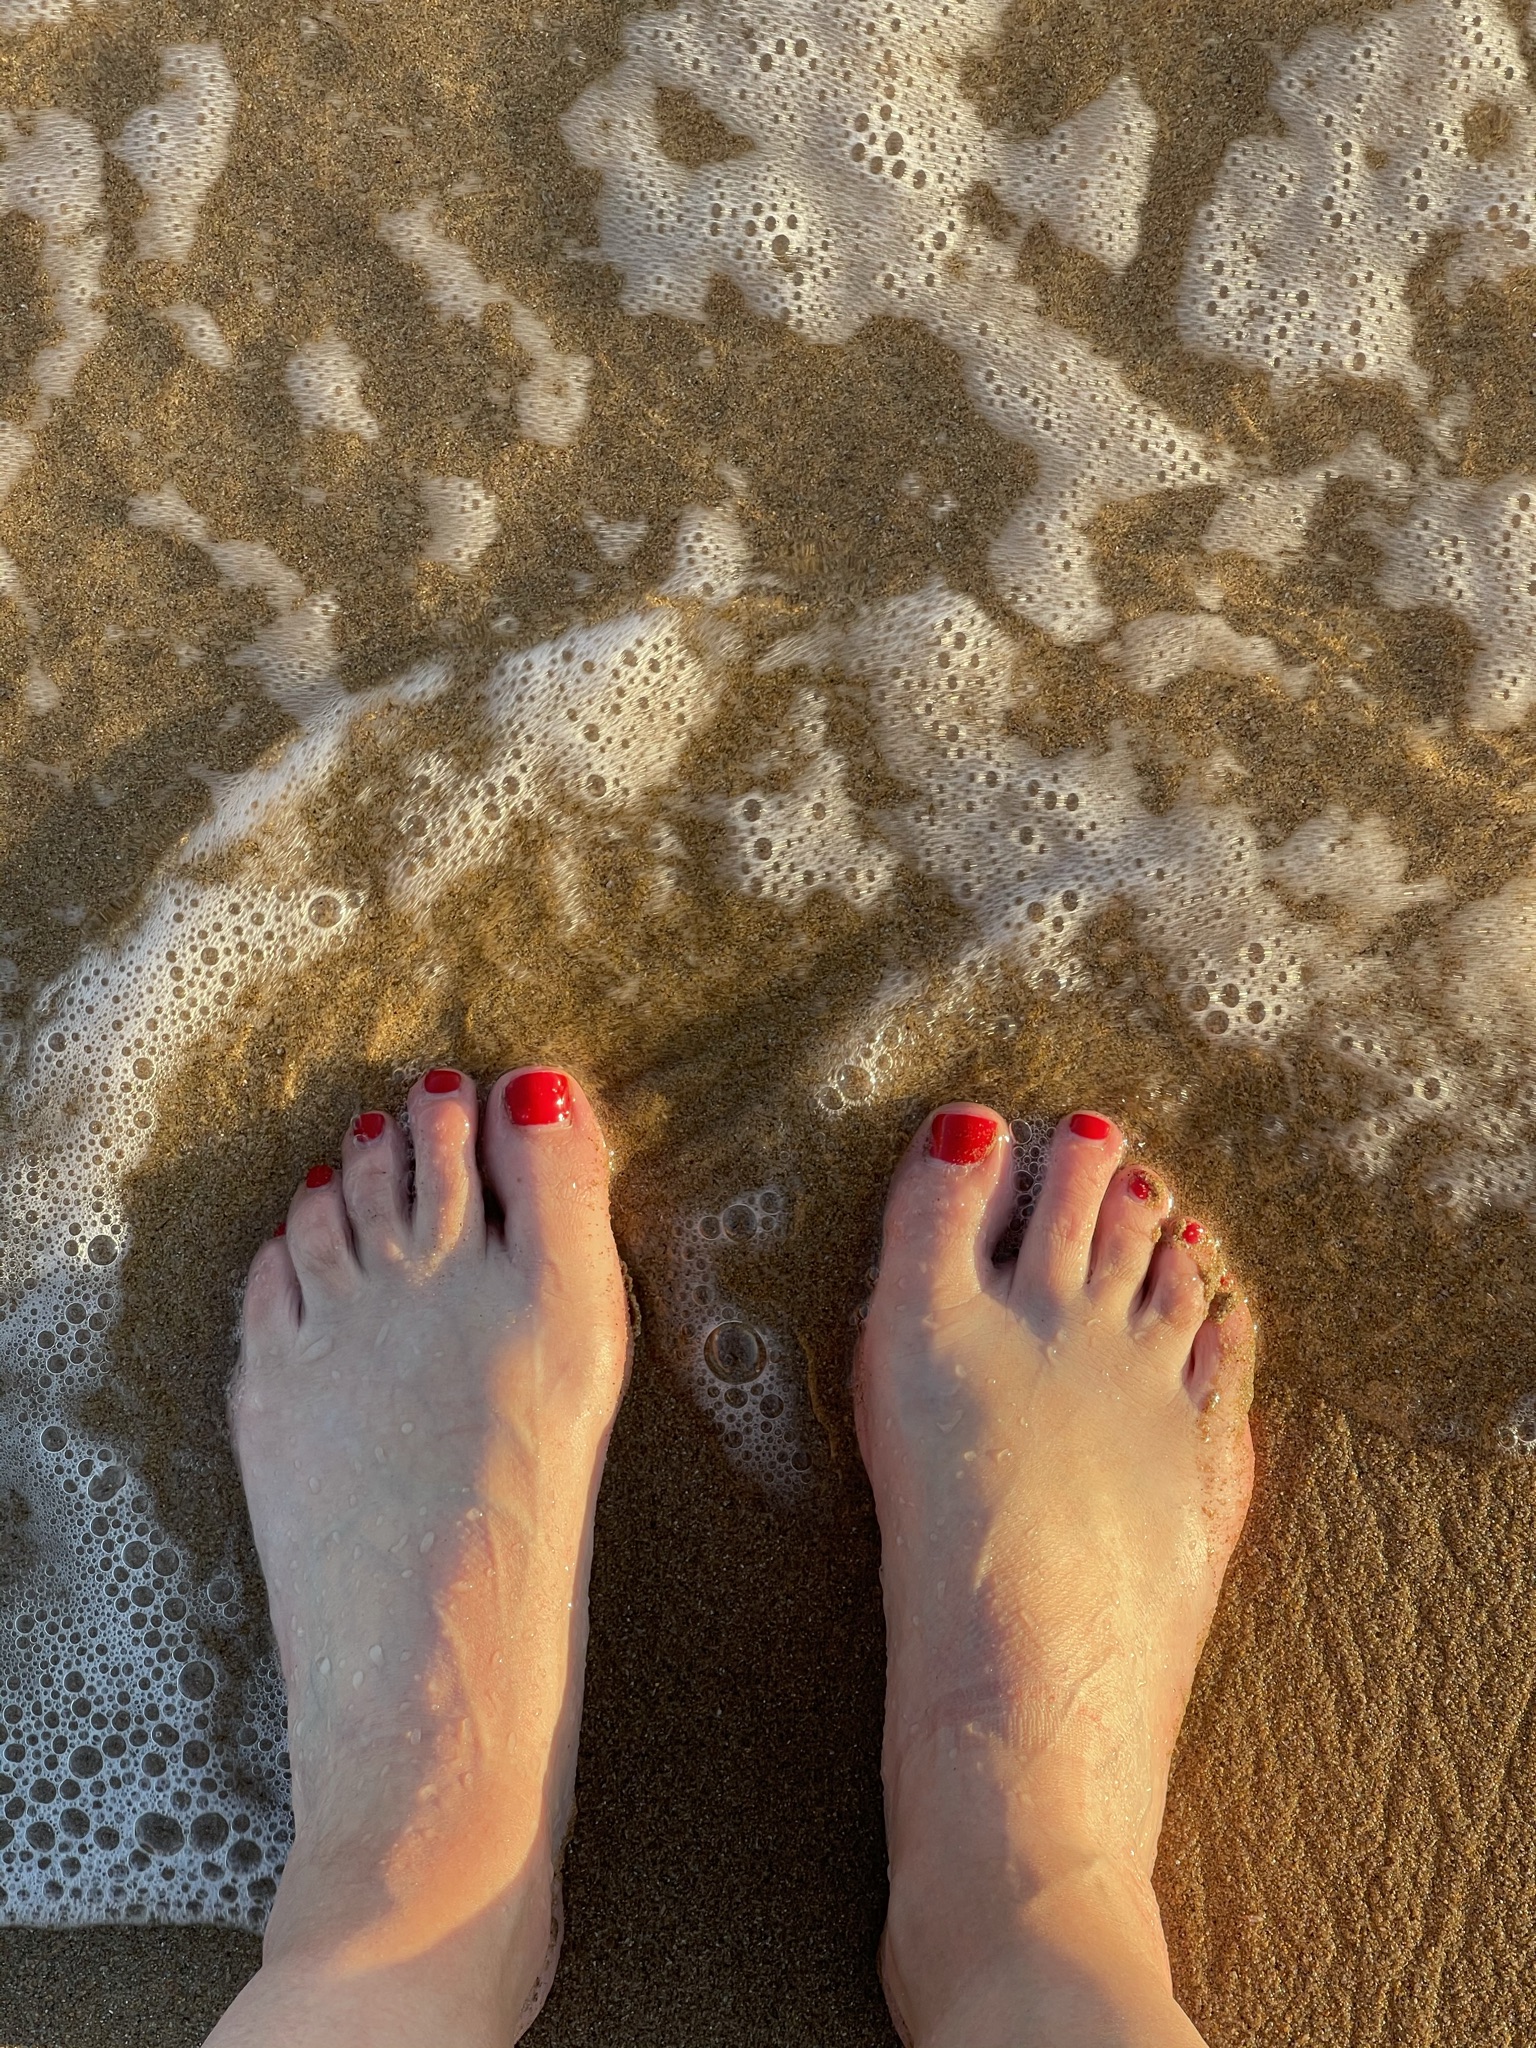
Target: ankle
{"points": [[1072, 1960]]}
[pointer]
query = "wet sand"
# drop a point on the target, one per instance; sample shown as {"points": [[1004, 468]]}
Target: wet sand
{"points": [[1350, 1853]]}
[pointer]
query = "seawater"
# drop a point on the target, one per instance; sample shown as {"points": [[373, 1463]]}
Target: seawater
{"points": [[799, 561]]}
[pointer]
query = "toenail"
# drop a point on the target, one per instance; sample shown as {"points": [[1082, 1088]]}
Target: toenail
{"points": [[960, 1139], [442, 1081], [1192, 1232], [541, 1096], [369, 1125], [1141, 1187], [1085, 1126], [319, 1176]]}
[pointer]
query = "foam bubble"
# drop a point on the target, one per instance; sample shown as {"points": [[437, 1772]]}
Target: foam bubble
{"points": [[1300, 262], [853, 202], [52, 174], [324, 380], [294, 653], [461, 520], [552, 399], [177, 147], [200, 334]]}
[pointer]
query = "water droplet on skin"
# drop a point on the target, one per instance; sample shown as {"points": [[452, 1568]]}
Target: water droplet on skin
{"points": [[357, 1679], [426, 1542], [406, 1428], [376, 1654], [325, 1667]]}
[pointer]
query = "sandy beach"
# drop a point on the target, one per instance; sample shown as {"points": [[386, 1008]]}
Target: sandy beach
{"points": [[455, 612]]}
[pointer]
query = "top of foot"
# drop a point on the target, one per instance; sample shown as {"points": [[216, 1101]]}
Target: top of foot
{"points": [[1061, 1463], [420, 1414]]}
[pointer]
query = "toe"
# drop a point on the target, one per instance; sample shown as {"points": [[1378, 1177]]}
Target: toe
{"points": [[547, 1160], [269, 1314], [319, 1239], [1219, 1376], [1173, 1305], [374, 1186], [450, 1206], [1058, 1244], [1125, 1237], [950, 1201]]}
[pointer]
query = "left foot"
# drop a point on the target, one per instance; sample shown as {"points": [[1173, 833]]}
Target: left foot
{"points": [[420, 1412]]}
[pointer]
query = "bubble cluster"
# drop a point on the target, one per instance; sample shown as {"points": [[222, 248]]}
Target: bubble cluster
{"points": [[1471, 547], [750, 1382], [552, 398], [52, 174], [294, 653], [177, 148], [854, 201], [324, 379], [461, 520], [785, 845], [1415, 124]]}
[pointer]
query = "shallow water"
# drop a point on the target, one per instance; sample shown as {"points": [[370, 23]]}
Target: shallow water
{"points": [[798, 562]]}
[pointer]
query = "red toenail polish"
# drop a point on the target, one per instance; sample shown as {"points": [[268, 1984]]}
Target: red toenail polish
{"points": [[959, 1139], [540, 1096], [1192, 1232], [1141, 1187], [369, 1125], [319, 1176], [1085, 1126], [282, 1229], [442, 1080]]}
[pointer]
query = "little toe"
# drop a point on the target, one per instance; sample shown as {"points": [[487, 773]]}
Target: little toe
{"points": [[1125, 1237], [1054, 1258], [319, 1239], [1173, 1303], [374, 1168], [1219, 1376], [950, 1201], [450, 1203], [547, 1160]]}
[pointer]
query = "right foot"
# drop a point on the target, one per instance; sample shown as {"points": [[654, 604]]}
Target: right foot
{"points": [[420, 1413], [1061, 1465]]}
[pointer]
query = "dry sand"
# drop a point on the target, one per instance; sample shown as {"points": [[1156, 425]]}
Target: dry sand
{"points": [[1350, 1854]]}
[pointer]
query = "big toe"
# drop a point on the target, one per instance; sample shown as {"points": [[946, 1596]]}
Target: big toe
{"points": [[950, 1201], [547, 1162]]}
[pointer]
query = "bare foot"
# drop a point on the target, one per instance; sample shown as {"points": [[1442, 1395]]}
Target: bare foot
{"points": [[421, 1412], [1061, 1464]]}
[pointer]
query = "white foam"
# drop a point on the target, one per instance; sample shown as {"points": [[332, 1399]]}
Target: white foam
{"points": [[200, 333], [552, 398], [20, 17], [324, 380], [294, 653], [461, 520], [1471, 547], [177, 148], [52, 173], [1158, 648], [1299, 264], [853, 203]]}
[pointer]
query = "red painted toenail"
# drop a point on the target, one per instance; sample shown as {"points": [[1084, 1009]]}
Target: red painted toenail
{"points": [[1142, 1188], [1192, 1232], [959, 1139], [442, 1081], [282, 1229], [369, 1125], [1085, 1126], [541, 1096], [319, 1176]]}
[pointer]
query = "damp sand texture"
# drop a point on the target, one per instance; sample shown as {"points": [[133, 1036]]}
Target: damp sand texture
{"points": [[798, 561]]}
